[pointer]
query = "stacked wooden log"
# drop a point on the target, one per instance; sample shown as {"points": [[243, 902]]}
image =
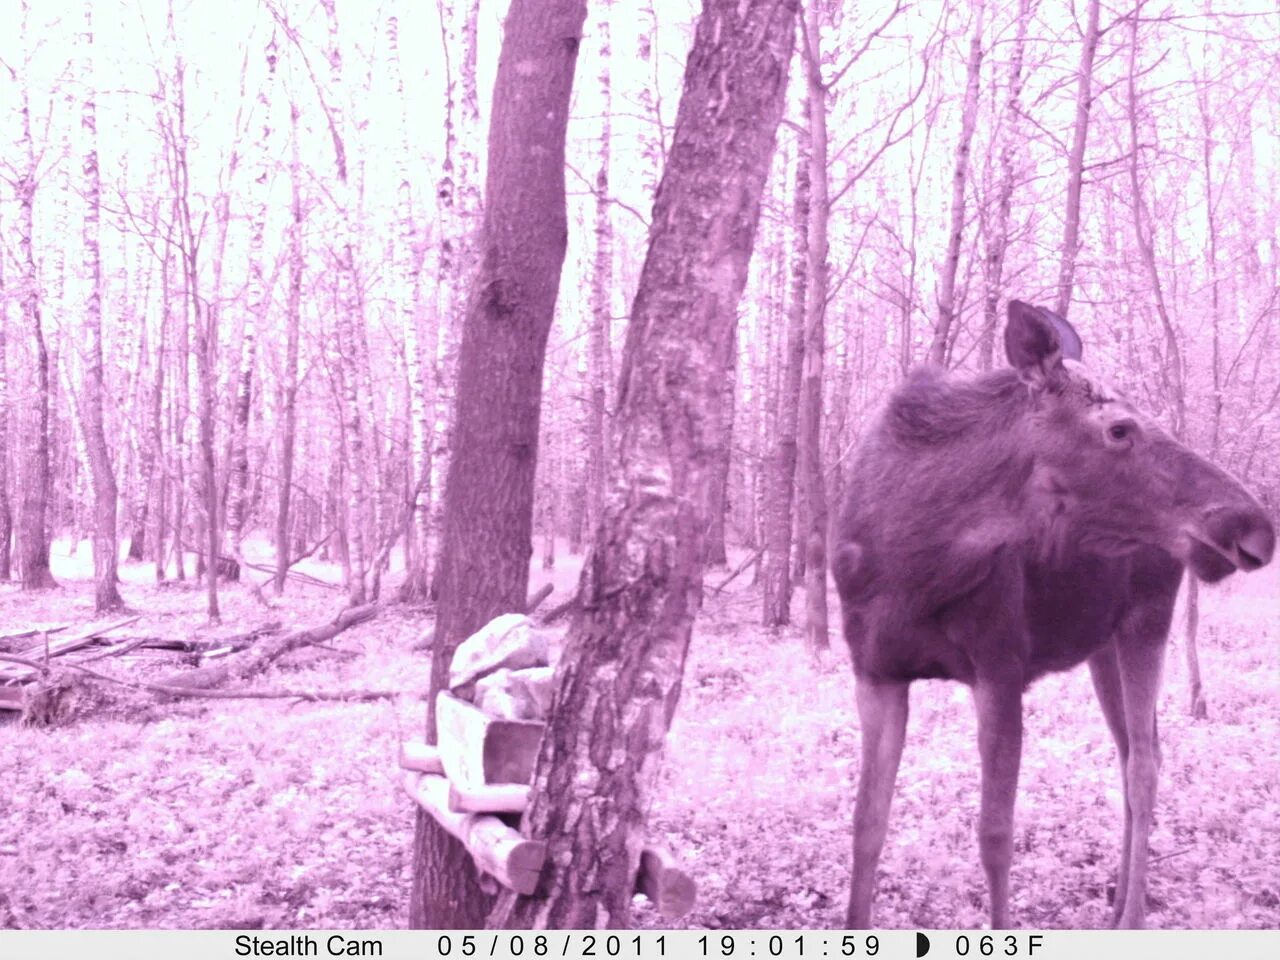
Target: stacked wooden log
{"points": [[489, 726]]}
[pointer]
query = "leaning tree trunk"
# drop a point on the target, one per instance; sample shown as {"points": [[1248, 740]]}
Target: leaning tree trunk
{"points": [[619, 678], [488, 517]]}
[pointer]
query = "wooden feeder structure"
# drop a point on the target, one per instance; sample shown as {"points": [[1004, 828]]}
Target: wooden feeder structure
{"points": [[476, 781]]}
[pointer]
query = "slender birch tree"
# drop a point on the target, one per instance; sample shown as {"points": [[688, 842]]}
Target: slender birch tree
{"points": [[36, 476], [814, 541], [944, 332], [106, 550], [1075, 160]]}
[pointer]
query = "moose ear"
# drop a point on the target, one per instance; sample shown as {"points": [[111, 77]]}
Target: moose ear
{"points": [[1032, 344], [1072, 345]]}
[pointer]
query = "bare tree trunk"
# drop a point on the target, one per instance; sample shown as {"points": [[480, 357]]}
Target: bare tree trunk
{"points": [[347, 355], [289, 386], [408, 263], [1075, 162], [601, 302], [204, 316], [1144, 232], [996, 237], [641, 586], [488, 528], [105, 547], [717, 552], [36, 478], [815, 538], [259, 302], [1199, 705], [780, 498], [944, 332], [458, 205]]}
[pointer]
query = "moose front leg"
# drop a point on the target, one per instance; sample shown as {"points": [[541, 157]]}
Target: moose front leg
{"points": [[1104, 667], [999, 708], [882, 710], [1140, 667]]}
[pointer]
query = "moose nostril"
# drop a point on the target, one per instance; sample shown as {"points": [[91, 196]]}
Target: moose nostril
{"points": [[1256, 545]]}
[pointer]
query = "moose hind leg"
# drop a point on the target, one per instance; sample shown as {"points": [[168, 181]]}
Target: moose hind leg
{"points": [[882, 710], [1104, 667], [999, 708]]}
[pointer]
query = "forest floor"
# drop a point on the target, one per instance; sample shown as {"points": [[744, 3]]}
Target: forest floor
{"points": [[273, 813]]}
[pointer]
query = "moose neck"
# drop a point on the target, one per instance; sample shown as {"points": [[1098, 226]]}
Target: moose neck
{"points": [[957, 448]]}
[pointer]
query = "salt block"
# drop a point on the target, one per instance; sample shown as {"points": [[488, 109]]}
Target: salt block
{"points": [[508, 641], [517, 694]]}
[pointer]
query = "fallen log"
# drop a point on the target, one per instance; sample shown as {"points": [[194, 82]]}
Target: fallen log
{"points": [[258, 657], [16, 670], [230, 644], [665, 883], [32, 632], [497, 849], [297, 575]]}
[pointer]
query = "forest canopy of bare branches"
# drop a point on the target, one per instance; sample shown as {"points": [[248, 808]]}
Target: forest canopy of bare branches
{"points": [[235, 247]]}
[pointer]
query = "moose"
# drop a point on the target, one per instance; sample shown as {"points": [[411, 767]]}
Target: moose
{"points": [[1001, 527]]}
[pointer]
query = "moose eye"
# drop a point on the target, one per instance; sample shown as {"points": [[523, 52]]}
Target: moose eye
{"points": [[1121, 431]]}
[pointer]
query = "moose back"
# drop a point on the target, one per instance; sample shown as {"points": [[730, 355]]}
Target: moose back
{"points": [[1016, 523]]}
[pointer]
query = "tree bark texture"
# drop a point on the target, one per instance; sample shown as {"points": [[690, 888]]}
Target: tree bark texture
{"points": [[618, 680], [488, 517]]}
